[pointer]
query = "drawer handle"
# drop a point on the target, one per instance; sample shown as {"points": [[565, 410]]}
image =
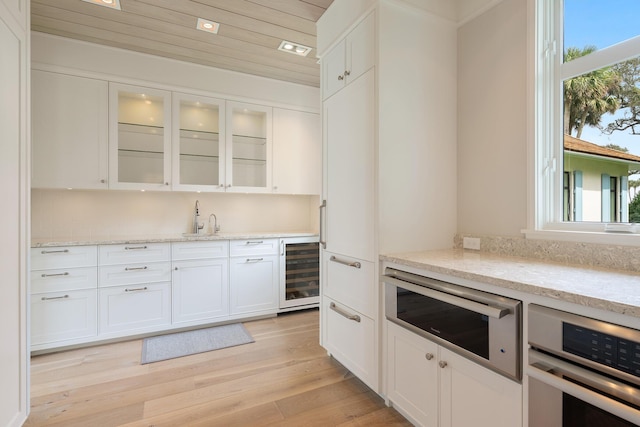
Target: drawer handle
{"points": [[135, 268], [59, 251], [51, 298], [66, 273], [355, 264], [254, 242], [133, 248], [254, 259], [135, 289], [341, 312]]}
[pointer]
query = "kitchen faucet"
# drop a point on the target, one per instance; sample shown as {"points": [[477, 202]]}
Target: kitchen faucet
{"points": [[216, 227], [196, 216]]}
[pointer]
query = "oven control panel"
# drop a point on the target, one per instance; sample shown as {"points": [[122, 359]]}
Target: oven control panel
{"points": [[600, 347]]}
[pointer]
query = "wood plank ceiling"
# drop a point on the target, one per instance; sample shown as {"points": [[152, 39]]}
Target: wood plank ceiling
{"points": [[247, 41]]}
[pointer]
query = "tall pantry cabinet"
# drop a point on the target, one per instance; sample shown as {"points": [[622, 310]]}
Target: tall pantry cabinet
{"points": [[389, 160]]}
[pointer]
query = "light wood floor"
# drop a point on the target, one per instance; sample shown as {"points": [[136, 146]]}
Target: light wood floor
{"points": [[283, 379]]}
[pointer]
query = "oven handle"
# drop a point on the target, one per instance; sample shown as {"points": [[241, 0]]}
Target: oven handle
{"points": [[461, 301], [549, 370], [557, 367]]}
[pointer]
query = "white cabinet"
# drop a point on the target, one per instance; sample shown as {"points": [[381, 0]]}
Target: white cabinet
{"points": [[139, 138], [69, 131], [350, 337], [349, 169], [434, 386], [350, 58], [63, 295], [200, 281], [253, 276], [198, 143], [135, 308], [134, 288], [297, 152], [249, 152]]}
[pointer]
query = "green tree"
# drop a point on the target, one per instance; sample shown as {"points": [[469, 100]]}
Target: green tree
{"points": [[588, 96], [634, 209], [628, 98]]}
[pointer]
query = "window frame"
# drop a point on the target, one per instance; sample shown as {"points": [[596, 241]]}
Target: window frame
{"points": [[546, 76]]}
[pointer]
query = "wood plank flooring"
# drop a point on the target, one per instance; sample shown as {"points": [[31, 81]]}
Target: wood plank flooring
{"points": [[283, 379]]}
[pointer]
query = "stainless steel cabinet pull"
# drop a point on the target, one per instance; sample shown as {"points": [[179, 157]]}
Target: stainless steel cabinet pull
{"points": [[343, 313], [354, 264], [56, 274], [131, 248], [347, 73], [322, 241], [135, 268], [254, 259], [282, 247], [135, 289], [428, 356], [59, 251], [340, 77], [254, 242], [50, 298], [442, 364]]}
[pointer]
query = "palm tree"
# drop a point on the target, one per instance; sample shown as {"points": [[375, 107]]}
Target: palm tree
{"points": [[588, 96]]}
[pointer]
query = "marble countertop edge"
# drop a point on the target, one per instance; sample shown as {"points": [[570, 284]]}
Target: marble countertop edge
{"points": [[614, 291], [161, 238]]}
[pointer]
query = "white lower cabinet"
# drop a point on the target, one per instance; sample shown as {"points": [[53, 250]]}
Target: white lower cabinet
{"points": [[350, 337], [434, 386], [200, 290], [253, 284], [65, 316], [135, 308]]}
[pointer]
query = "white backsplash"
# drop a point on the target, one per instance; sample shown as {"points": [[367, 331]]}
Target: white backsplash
{"points": [[68, 214]]}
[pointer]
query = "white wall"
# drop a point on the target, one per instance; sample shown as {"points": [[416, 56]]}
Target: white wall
{"points": [[80, 215], [14, 223], [492, 119]]}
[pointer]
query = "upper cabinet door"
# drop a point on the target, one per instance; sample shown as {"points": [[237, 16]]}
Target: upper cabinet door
{"points": [[69, 131], [198, 143], [139, 138], [249, 131], [350, 58], [297, 152]]}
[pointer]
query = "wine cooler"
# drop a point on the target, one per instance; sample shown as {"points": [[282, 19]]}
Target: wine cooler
{"points": [[299, 272]]}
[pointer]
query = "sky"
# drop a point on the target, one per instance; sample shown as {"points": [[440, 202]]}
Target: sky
{"points": [[603, 23]]}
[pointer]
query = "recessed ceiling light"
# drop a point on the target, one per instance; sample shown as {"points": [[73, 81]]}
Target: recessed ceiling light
{"points": [[113, 4], [295, 48], [208, 26]]}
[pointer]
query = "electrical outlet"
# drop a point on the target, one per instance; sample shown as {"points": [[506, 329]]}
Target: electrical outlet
{"points": [[471, 243]]}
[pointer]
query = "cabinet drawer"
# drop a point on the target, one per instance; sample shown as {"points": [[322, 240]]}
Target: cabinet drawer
{"points": [[350, 281], [131, 308], [350, 337], [131, 274], [60, 316], [63, 257], [252, 247], [66, 279], [200, 250], [140, 252]]}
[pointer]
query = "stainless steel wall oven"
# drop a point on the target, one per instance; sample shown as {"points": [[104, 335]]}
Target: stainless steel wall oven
{"points": [[479, 325], [582, 372]]}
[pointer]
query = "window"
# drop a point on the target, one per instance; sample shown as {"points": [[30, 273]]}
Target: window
{"points": [[587, 105]]}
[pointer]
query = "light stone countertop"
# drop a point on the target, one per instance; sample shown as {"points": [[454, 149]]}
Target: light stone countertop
{"points": [[610, 290], [162, 238]]}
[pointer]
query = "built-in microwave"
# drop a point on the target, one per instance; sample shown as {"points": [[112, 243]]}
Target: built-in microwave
{"points": [[481, 326]]}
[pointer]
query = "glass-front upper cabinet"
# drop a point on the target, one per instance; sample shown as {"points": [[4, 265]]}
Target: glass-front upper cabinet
{"points": [[198, 143], [249, 158], [139, 138]]}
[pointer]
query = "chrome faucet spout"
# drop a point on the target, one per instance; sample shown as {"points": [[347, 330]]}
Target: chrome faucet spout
{"points": [[197, 226], [216, 227]]}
